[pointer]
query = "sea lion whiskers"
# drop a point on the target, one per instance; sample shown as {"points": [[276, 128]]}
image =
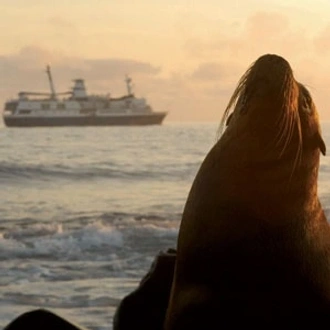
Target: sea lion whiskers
{"points": [[284, 137], [298, 157], [289, 97], [285, 132], [238, 100], [290, 120]]}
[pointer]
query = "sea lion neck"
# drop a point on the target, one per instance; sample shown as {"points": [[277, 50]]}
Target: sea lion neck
{"points": [[247, 158]]}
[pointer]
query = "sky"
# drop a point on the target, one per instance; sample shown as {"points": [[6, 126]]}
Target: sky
{"points": [[184, 57]]}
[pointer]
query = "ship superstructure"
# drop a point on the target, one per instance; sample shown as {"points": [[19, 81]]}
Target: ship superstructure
{"points": [[78, 108]]}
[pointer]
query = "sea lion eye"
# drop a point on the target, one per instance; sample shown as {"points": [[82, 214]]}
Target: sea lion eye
{"points": [[305, 108], [306, 104], [306, 101]]}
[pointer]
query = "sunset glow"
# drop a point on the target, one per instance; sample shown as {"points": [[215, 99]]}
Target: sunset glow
{"points": [[184, 56]]}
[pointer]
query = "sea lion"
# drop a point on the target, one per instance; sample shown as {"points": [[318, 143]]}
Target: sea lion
{"points": [[253, 248], [145, 307], [41, 319]]}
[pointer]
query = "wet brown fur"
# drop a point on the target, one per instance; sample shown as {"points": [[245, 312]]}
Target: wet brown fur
{"points": [[254, 243]]}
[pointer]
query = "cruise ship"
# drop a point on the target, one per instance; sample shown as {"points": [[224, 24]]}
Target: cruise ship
{"points": [[77, 108]]}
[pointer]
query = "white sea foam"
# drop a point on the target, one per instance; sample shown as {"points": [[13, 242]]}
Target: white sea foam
{"points": [[73, 243], [55, 240], [34, 230], [159, 230]]}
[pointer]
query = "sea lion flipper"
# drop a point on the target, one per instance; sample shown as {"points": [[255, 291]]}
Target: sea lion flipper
{"points": [[146, 306]]}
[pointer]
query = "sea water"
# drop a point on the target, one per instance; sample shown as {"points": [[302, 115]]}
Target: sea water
{"points": [[84, 210]]}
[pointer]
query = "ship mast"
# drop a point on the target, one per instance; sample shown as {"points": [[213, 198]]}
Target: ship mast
{"points": [[128, 81], [52, 88]]}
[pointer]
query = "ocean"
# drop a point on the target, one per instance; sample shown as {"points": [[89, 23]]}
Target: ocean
{"points": [[84, 210]]}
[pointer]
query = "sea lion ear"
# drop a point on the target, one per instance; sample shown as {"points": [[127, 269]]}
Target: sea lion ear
{"points": [[323, 148], [320, 143]]}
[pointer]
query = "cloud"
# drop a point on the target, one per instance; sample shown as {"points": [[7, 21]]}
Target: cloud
{"points": [[216, 71], [23, 70], [260, 33], [267, 26], [60, 22], [209, 71], [100, 68], [322, 41]]}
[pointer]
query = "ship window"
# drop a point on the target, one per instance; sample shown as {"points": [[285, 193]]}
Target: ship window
{"points": [[10, 105], [61, 106], [24, 112], [45, 106]]}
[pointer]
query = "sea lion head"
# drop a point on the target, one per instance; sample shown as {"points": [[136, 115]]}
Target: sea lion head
{"points": [[272, 112]]}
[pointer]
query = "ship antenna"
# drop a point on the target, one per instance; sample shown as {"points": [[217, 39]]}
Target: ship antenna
{"points": [[52, 88], [128, 81]]}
